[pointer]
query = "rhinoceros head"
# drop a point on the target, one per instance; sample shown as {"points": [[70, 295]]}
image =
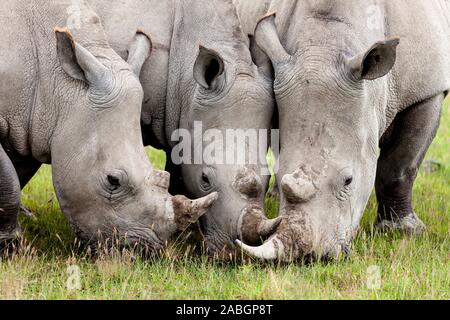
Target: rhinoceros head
{"points": [[227, 104], [328, 97], [233, 103], [104, 181]]}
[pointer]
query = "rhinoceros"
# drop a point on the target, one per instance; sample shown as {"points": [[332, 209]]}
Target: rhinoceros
{"points": [[359, 87], [202, 70], [72, 102]]}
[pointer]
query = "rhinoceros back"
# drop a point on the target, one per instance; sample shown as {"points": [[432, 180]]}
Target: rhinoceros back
{"points": [[18, 75], [29, 69], [423, 62]]}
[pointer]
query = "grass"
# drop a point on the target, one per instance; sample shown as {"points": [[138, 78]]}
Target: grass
{"points": [[409, 267]]}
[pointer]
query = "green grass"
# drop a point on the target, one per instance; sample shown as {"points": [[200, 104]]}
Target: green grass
{"points": [[410, 267]]}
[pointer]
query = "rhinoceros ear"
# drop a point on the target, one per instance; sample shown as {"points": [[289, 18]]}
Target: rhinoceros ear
{"points": [[375, 62], [139, 51], [79, 63], [260, 59], [266, 36], [208, 67]]}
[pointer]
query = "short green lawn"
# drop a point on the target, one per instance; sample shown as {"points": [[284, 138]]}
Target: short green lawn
{"points": [[382, 266]]}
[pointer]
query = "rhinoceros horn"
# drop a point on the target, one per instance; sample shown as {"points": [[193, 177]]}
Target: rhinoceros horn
{"points": [[272, 249], [188, 211], [254, 225]]}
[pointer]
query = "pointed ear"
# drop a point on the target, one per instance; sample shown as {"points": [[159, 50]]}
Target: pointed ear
{"points": [[139, 51], [79, 63], [208, 67], [266, 36], [260, 59], [375, 62], [66, 54]]}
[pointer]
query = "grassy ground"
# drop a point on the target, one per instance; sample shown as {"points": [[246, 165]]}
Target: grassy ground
{"points": [[409, 267]]}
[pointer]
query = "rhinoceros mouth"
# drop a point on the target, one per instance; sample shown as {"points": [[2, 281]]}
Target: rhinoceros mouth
{"points": [[218, 244], [142, 239]]}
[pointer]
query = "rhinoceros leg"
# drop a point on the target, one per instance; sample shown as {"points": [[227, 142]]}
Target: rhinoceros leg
{"points": [[9, 199], [26, 168], [402, 152]]}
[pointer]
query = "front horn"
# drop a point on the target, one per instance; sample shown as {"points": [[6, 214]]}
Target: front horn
{"points": [[188, 211], [271, 250], [254, 225]]}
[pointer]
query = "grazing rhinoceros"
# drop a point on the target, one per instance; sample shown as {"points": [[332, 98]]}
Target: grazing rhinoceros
{"points": [[74, 103], [346, 85], [201, 70]]}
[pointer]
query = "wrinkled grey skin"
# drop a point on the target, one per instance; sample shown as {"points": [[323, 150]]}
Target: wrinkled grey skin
{"points": [[345, 86], [250, 12], [71, 101], [238, 94]]}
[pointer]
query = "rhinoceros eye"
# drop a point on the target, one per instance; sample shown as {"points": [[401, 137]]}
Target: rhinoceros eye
{"points": [[345, 178], [348, 181], [206, 184], [113, 181], [207, 180]]}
